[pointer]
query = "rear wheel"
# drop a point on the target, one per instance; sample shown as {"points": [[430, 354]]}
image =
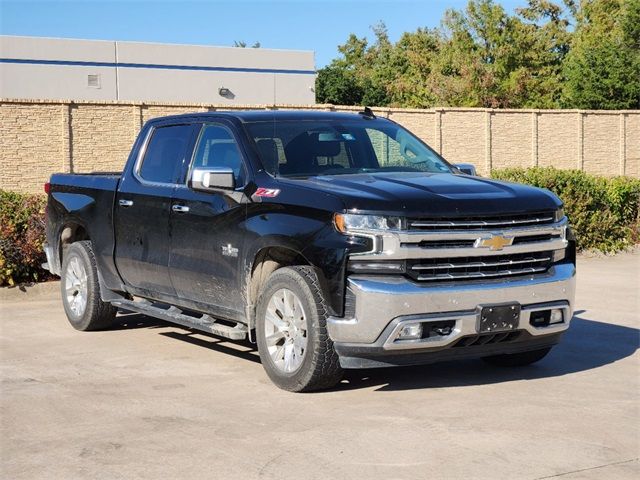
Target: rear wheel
{"points": [[295, 349], [518, 359], [81, 290]]}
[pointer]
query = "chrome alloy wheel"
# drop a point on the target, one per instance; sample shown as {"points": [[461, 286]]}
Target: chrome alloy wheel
{"points": [[76, 286], [285, 330]]}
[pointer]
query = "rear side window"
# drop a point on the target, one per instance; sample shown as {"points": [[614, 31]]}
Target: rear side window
{"points": [[218, 148], [165, 152]]}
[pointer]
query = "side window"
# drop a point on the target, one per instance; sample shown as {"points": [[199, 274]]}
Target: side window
{"points": [[218, 148], [164, 154]]}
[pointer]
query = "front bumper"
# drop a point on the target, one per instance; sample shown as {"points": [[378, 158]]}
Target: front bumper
{"points": [[382, 306]]}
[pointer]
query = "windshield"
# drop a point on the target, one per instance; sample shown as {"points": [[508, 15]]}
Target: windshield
{"points": [[307, 148]]}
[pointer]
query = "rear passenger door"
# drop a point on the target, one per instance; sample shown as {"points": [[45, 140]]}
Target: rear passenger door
{"points": [[143, 209], [208, 228]]}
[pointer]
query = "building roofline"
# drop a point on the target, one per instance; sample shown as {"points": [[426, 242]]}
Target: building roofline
{"points": [[156, 43]]}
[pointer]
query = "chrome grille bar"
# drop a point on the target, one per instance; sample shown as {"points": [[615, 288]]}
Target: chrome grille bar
{"points": [[476, 275], [499, 221], [501, 263], [480, 223]]}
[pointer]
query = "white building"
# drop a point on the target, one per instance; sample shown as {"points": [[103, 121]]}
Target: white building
{"points": [[55, 68]]}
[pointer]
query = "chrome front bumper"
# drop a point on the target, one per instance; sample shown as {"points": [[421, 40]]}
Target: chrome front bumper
{"points": [[384, 305]]}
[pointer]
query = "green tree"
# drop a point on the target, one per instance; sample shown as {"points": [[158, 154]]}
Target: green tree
{"points": [[602, 69], [412, 61], [492, 59], [544, 39], [337, 85], [243, 44], [364, 68], [547, 54]]}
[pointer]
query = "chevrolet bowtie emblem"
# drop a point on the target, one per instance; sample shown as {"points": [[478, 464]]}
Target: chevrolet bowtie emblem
{"points": [[494, 242]]}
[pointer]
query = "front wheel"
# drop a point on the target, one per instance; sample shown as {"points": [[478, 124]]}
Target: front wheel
{"points": [[291, 332], [518, 359], [81, 290]]}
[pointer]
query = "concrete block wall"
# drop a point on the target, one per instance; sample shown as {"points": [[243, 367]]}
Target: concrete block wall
{"points": [[40, 137]]}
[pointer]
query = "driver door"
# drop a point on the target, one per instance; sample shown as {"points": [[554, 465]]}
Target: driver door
{"points": [[207, 229]]}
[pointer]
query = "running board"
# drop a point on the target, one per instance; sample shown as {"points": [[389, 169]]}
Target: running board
{"points": [[204, 322]]}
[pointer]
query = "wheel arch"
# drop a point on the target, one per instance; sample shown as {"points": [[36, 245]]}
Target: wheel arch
{"points": [[267, 260], [71, 232]]}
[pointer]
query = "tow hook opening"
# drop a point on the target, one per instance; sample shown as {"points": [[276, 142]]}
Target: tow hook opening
{"points": [[546, 318]]}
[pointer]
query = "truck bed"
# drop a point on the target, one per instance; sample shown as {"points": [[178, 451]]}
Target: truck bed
{"points": [[96, 180], [85, 200]]}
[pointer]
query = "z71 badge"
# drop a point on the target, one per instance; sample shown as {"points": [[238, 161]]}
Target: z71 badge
{"points": [[267, 192]]}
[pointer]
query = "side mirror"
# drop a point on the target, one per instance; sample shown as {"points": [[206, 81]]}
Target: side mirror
{"points": [[466, 168], [208, 179]]}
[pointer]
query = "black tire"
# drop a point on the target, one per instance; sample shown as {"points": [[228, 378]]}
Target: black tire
{"points": [[96, 315], [320, 367], [518, 359]]}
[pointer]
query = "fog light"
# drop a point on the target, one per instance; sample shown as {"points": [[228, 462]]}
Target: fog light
{"points": [[413, 331], [556, 316]]}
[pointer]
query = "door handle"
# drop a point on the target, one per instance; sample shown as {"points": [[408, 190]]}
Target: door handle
{"points": [[180, 208], [125, 203]]}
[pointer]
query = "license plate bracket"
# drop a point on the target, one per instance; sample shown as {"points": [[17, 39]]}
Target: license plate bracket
{"points": [[498, 318]]}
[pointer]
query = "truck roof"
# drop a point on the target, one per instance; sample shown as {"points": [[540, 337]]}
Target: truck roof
{"points": [[268, 115]]}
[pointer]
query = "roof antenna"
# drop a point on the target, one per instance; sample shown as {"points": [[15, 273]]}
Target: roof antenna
{"points": [[367, 112]]}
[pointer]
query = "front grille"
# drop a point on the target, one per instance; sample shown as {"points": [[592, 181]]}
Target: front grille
{"points": [[470, 243], [481, 223], [471, 268]]}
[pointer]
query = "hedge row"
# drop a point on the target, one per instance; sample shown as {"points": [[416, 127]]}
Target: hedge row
{"points": [[603, 211], [21, 238]]}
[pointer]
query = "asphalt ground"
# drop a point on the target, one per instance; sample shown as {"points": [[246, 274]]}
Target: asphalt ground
{"points": [[150, 400]]}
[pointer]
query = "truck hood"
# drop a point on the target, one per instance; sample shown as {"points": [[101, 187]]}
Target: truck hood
{"points": [[437, 194]]}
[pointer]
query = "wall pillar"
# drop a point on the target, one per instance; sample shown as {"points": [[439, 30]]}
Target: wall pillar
{"points": [[438, 135], [580, 165], [136, 112], [534, 138], [488, 160], [67, 138], [623, 143]]}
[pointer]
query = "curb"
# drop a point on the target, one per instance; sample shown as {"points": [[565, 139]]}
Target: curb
{"points": [[29, 292]]}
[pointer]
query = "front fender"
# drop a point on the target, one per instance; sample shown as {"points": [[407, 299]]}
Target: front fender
{"points": [[309, 234]]}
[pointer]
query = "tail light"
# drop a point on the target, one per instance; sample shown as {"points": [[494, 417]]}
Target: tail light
{"points": [[47, 188]]}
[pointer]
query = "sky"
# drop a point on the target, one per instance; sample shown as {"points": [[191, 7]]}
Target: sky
{"points": [[295, 24]]}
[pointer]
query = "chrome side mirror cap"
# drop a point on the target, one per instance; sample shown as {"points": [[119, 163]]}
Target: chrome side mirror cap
{"points": [[211, 179], [466, 168]]}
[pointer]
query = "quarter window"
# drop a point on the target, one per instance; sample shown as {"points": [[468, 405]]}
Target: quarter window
{"points": [[165, 153]]}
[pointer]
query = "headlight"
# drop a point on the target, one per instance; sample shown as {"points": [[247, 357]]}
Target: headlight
{"points": [[350, 222], [559, 215]]}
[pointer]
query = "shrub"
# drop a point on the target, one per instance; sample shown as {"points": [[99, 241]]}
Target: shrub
{"points": [[21, 237], [603, 211]]}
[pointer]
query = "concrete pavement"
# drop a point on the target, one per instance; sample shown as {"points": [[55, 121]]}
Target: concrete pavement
{"points": [[148, 400]]}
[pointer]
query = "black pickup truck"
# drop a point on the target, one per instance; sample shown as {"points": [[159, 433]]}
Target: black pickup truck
{"points": [[332, 240]]}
